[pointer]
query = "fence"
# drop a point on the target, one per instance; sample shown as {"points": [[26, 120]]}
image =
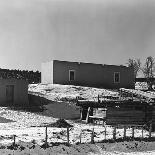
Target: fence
{"points": [[128, 133]]}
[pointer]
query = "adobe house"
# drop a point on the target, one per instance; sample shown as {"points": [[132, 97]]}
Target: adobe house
{"points": [[87, 74], [13, 92]]}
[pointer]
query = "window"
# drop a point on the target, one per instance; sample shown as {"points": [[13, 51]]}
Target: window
{"points": [[117, 77], [71, 75]]}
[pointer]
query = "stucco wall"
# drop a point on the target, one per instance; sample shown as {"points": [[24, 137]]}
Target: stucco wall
{"points": [[97, 75], [20, 91], [47, 72], [126, 76]]}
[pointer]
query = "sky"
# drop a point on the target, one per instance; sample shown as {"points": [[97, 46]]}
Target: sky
{"points": [[96, 31]]}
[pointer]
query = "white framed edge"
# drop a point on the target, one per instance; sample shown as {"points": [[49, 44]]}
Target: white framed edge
{"points": [[74, 74]]}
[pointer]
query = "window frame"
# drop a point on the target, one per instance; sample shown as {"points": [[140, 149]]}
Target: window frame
{"points": [[70, 74], [119, 77]]}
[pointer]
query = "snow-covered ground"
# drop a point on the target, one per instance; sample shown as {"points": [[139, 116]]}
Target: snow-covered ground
{"points": [[141, 85], [57, 92], [121, 148], [149, 95], [30, 127]]}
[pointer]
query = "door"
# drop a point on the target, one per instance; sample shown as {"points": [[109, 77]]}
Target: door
{"points": [[10, 93]]}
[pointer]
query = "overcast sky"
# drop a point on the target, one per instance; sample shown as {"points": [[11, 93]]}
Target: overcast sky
{"points": [[98, 31]]}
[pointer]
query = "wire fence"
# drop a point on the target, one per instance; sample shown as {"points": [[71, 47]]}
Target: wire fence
{"points": [[114, 133]]}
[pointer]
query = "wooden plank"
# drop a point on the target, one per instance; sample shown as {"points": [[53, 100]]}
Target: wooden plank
{"points": [[125, 122], [87, 118], [124, 132], [124, 112], [133, 128], [114, 133], [127, 114], [110, 103], [125, 119], [130, 116], [96, 117]]}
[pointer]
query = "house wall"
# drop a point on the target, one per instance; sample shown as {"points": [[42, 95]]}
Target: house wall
{"points": [[95, 75], [47, 72], [20, 91], [126, 76], [61, 72]]}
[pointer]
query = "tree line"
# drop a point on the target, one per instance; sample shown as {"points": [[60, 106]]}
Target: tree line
{"points": [[148, 69], [30, 76]]}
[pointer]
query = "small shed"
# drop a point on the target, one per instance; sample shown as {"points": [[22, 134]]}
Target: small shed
{"points": [[13, 92], [120, 112]]}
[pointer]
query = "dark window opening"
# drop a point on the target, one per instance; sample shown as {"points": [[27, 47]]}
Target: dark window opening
{"points": [[71, 75], [116, 77]]}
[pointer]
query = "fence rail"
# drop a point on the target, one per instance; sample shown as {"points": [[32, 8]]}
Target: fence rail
{"points": [[127, 134]]}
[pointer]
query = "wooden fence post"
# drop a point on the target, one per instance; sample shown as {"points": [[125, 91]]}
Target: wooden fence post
{"points": [[80, 136], [124, 132], [133, 132], [87, 118], [98, 98], [81, 110], [92, 137], [46, 137], [114, 133], [150, 130], [14, 140], [68, 135], [132, 96], [105, 132], [120, 91], [142, 132]]}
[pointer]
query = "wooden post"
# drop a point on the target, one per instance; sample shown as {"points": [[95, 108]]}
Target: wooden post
{"points": [[142, 133], [133, 132], [80, 136], [81, 110], [14, 140], [105, 132], [150, 130], [46, 136], [140, 98], [68, 135], [92, 137], [124, 132], [76, 99], [120, 93], [98, 98], [132, 96], [87, 118], [114, 133]]}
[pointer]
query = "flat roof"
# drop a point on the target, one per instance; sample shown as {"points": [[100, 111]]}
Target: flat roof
{"points": [[89, 63]]}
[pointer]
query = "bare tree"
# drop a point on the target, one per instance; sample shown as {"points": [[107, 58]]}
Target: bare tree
{"points": [[149, 70], [136, 64]]}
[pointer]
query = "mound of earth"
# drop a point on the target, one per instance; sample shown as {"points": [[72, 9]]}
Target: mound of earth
{"points": [[61, 123], [62, 110], [4, 120]]}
